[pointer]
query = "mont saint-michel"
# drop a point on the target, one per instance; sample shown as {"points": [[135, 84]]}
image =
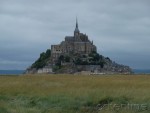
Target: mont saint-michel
{"points": [[77, 54]]}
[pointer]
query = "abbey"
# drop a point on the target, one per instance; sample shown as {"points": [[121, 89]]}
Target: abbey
{"points": [[77, 44]]}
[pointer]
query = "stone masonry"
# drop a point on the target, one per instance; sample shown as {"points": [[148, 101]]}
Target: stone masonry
{"points": [[79, 43]]}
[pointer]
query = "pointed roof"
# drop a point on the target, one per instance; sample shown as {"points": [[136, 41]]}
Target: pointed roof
{"points": [[77, 29], [76, 22]]}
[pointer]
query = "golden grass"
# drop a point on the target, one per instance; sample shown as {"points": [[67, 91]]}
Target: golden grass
{"points": [[71, 93]]}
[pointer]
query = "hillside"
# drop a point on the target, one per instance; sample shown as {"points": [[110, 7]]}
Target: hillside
{"points": [[77, 63]]}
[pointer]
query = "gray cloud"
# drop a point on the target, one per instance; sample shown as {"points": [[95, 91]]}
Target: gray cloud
{"points": [[119, 28]]}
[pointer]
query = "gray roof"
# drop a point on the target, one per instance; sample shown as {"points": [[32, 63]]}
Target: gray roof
{"points": [[69, 38]]}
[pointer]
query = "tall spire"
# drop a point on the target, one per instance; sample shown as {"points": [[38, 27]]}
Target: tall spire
{"points": [[76, 29], [76, 22]]}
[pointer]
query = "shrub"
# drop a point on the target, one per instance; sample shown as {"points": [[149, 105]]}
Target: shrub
{"points": [[42, 60]]}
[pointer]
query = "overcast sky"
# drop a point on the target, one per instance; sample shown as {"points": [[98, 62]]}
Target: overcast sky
{"points": [[119, 28]]}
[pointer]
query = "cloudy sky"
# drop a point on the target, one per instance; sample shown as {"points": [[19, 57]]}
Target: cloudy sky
{"points": [[119, 28]]}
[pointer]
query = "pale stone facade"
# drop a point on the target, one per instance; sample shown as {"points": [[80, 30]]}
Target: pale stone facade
{"points": [[79, 43], [44, 70]]}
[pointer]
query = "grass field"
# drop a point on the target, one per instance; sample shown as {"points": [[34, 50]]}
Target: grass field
{"points": [[75, 94]]}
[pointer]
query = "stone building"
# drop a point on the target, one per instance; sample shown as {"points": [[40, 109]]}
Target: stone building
{"points": [[79, 43]]}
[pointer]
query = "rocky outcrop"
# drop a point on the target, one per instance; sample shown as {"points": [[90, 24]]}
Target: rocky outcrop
{"points": [[98, 65], [109, 68]]}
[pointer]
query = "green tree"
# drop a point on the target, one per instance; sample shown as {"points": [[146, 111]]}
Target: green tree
{"points": [[42, 60], [78, 61], [67, 59], [61, 58]]}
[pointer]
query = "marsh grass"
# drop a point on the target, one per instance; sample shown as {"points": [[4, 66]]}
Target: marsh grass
{"points": [[72, 93]]}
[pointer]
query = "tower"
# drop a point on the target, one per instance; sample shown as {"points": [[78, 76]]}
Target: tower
{"points": [[76, 31]]}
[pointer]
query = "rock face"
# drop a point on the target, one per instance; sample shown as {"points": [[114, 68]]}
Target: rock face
{"points": [[108, 68], [77, 64], [77, 54]]}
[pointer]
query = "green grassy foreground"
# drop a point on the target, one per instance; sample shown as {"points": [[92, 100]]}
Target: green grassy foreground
{"points": [[75, 94]]}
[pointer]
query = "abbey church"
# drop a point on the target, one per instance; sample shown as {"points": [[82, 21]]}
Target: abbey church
{"points": [[79, 43]]}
